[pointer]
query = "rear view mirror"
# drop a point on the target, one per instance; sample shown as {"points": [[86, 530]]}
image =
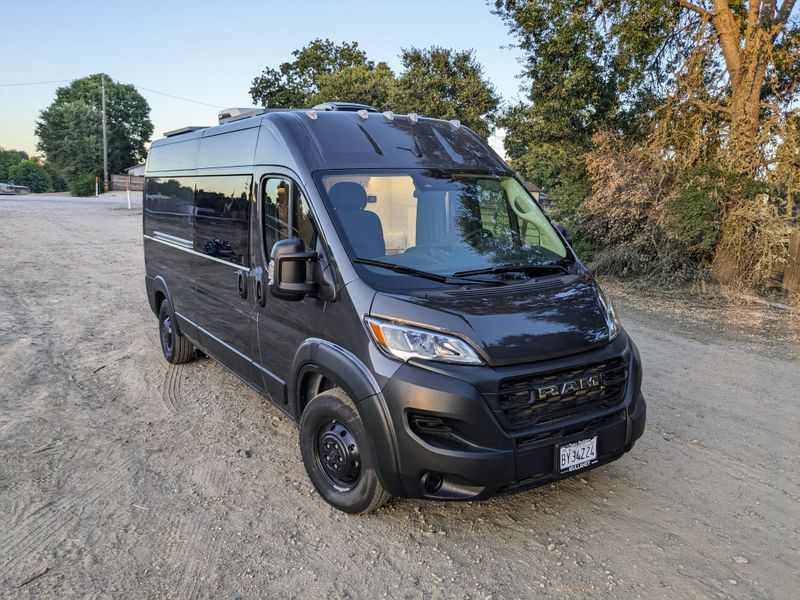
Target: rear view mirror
{"points": [[565, 233], [288, 270]]}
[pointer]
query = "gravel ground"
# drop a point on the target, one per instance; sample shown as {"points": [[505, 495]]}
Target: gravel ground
{"points": [[122, 476]]}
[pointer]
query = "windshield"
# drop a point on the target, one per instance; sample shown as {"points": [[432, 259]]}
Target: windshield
{"points": [[448, 224]]}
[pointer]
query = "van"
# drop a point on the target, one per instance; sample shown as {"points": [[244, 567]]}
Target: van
{"points": [[389, 284]]}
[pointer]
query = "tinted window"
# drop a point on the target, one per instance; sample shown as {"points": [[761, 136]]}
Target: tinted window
{"points": [[169, 205], [228, 149], [222, 206], [174, 157], [277, 218]]}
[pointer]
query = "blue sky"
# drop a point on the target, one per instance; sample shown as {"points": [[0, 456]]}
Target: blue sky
{"points": [[210, 51]]}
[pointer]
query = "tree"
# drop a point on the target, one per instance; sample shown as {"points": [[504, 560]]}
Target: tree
{"points": [[740, 59], [436, 82], [9, 158], [31, 174], [687, 82], [70, 136], [571, 97], [56, 177], [374, 86], [447, 84], [293, 84], [127, 117]]}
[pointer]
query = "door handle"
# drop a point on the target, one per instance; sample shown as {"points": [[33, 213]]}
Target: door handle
{"points": [[260, 295], [241, 283]]}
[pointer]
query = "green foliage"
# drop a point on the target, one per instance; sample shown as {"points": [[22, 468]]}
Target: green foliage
{"points": [[70, 135], [571, 97], [31, 174], [9, 158], [447, 84], [373, 86], [436, 82], [82, 185], [127, 117], [693, 212], [294, 84], [678, 84], [57, 179]]}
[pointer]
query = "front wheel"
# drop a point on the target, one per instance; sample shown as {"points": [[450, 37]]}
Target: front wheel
{"points": [[337, 456]]}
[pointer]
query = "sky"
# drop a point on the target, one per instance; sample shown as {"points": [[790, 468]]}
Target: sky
{"points": [[210, 52]]}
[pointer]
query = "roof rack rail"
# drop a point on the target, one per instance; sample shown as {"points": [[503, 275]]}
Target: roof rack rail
{"points": [[183, 130], [227, 115], [343, 106]]}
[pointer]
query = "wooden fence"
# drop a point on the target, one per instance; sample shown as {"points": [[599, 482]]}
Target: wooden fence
{"points": [[791, 274], [118, 182]]}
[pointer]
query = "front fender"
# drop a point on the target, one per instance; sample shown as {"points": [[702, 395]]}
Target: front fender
{"points": [[317, 356]]}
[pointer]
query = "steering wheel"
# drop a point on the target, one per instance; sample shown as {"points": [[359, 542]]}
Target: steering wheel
{"points": [[481, 235]]}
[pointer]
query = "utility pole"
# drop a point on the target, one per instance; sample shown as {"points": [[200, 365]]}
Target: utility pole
{"points": [[105, 134]]}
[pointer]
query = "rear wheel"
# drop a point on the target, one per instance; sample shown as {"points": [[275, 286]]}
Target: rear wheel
{"points": [[337, 455], [176, 348]]}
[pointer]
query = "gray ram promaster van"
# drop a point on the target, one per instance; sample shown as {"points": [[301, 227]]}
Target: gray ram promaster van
{"points": [[388, 283]]}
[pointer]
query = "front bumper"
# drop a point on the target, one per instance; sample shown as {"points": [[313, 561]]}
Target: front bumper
{"points": [[447, 441]]}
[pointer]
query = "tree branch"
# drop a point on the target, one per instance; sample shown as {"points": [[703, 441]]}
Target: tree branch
{"points": [[784, 11], [728, 32], [698, 9], [752, 17]]}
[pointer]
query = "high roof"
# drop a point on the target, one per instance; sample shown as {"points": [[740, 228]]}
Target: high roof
{"points": [[310, 140]]}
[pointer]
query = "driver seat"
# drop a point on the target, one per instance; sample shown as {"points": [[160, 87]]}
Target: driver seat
{"points": [[364, 228]]}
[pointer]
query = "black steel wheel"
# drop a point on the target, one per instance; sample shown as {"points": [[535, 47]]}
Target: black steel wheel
{"points": [[176, 348], [337, 456]]}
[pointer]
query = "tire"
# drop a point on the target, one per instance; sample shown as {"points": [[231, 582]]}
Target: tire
{"points": [[176, 348], [331, 421]]}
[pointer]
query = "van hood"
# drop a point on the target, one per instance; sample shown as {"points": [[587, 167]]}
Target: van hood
{"points": [[520, 322]]}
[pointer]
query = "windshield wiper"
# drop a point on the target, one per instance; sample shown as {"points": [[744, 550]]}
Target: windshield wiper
{"points": [[543, 268], [423, 274]]}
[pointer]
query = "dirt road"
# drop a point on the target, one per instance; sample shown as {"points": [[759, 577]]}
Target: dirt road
{"points": [[121, 476]]}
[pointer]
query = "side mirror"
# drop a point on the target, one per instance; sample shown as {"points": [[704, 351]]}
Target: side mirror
{"points": [[565, 233], [288, 268]]}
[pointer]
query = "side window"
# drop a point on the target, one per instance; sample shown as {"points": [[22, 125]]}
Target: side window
{"points": [[169, 205], [222, 211], [277, 218]]}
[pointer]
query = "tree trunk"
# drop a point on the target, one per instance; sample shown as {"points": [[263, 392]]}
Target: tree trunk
{"points": [[745, 113]]}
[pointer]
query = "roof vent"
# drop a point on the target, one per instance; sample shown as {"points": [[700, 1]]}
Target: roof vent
{"points": [[344, 106], [227, 115]]}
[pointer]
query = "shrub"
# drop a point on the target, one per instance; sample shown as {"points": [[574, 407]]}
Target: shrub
{"points": [[59, 182], [31, 174], [693, 212], [83, 185], [9, 158]]}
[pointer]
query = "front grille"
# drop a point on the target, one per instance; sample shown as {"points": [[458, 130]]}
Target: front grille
{"points": [[548, 398]]}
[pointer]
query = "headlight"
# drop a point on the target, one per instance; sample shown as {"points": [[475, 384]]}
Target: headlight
{"points": [[404, 342], [611, 315]]}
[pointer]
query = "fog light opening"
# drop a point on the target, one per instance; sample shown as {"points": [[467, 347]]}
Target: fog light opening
{"points": [[431, 482]]}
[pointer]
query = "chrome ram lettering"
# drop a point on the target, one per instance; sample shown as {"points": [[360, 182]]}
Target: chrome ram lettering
{"points": [[563, 388]]}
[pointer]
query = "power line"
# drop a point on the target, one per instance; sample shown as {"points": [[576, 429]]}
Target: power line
{"points": [[34, 82], [118, 81], [169, 95]]}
